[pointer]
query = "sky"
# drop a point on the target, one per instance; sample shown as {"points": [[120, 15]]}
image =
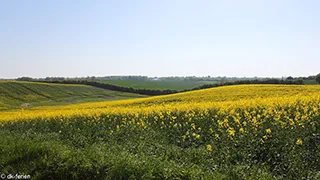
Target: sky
{"points": [[270, 38]]}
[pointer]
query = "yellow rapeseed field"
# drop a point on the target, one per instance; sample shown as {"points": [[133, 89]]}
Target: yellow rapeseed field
{"points": [[274, 125], [263, 100], [234, 108]]}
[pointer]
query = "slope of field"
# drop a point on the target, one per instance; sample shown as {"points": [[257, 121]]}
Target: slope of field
{"points": [[237, 92], [158, 85], [15, 94], [231, 132], [227, 96]]}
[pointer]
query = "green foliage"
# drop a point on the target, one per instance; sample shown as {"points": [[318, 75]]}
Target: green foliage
{"points": [[318, 78]]}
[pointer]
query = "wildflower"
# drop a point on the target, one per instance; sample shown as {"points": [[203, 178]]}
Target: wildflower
{"points": [[217, 136], [209, 147], [193, 126], [291, 122], [299, 142], [225, 122], [241, 130], [268, 131], [244, 123], [211, 130], [142, 124], [198, 136], [231, 131]]}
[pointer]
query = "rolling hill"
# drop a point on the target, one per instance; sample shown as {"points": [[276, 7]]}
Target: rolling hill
{"points": [[17, 94], [237, 92], [229, 96]]}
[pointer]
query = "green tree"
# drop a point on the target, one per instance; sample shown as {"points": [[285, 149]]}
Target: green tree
{"points": [[289, 78], [24, 79], [318, 78]]}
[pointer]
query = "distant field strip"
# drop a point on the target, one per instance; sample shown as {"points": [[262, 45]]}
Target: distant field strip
{"points": [[158, 85]]}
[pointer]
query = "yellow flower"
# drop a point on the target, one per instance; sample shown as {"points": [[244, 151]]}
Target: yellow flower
{"points": [[193, 126], [225, 122], [244, 123], [217, 136], [268, 131], [231, 131], [299, 142], [241, 130], [142, 124], [291, 122], [197, 136], [209, 147]]}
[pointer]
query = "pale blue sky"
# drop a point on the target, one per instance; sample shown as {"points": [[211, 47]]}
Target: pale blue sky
{"points": [[159, 38]]}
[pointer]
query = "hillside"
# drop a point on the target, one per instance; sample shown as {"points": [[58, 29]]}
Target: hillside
{"points": [[238, 92], [158, 85], [228, 95], [17, 94], [222, 94]]}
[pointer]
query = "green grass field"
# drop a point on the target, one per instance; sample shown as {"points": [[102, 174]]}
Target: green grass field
{"points": [[15, 94], [310, 82], [158, 85]]}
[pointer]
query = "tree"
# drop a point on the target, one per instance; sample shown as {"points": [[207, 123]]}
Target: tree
{"points": [[299, 81], [289, 78], [318, 78], [24, 79]]}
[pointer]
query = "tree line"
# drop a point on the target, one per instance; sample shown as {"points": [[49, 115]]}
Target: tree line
{"points": [[150, 92]]}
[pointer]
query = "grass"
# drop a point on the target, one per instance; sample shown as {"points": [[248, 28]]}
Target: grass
{"points": [[158, 85], [120, 156], [15, 94], [310, 82]]}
